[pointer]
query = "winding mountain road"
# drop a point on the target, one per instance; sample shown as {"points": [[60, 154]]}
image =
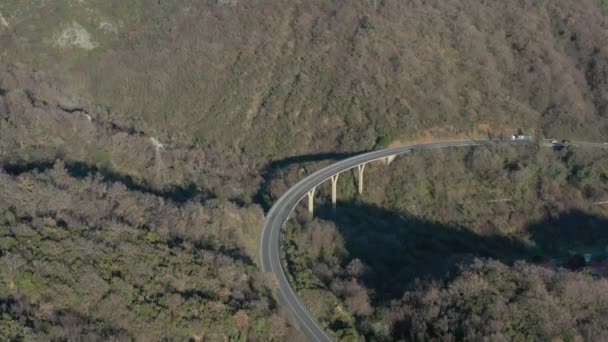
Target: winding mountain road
{"points": [[270, 248], [279, 213]]}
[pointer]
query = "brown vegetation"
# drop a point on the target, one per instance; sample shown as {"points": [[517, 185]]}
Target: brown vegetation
{"points": [[266, 79], [180, 118]]}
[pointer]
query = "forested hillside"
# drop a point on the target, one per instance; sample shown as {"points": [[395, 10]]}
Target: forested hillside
{"points": [[141, 142], [271, 78], [86, 257]]}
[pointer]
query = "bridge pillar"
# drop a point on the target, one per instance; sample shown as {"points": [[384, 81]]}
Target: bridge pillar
{"points": [[360, 169], [388, 160], [311, 201], [334, 189]]}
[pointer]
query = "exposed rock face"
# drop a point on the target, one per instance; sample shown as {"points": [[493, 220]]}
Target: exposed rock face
{"points": [[3, 21], [75, 35], [108, 27]]}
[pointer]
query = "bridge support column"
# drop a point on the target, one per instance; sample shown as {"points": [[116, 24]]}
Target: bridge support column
{"points": [[311, 201], [388, 160], [334, 190], [360, 169]]}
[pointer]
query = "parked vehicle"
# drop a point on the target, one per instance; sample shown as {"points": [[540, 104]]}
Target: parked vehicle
{"points": [[521, 137]]}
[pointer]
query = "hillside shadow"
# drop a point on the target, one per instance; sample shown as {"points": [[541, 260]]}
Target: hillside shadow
{"points": [[272, 169], [400, 250], [572, 231], [80, 170], [178, 195]]}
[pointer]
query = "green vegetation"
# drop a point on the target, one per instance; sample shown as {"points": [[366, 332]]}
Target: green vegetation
{"points": [[603, 4], [84, 258], [519, 303]]}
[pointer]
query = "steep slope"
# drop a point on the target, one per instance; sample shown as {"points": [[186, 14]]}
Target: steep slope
{"points": [[276, 78]]}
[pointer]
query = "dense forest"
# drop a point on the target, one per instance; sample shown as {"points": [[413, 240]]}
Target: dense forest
{"points": [[269, 79], [85, 257], [142, 141], [462, 244]]}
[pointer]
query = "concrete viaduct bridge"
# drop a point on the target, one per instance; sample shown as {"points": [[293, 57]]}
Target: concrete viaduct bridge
{"points": [[278, 215], [334, 182]]}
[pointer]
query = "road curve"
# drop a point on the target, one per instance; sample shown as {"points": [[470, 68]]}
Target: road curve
{"points": [[280, 211]]}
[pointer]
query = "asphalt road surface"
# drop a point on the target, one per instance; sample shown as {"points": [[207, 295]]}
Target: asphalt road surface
{"points": [[277, 217], [279, 213]]}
